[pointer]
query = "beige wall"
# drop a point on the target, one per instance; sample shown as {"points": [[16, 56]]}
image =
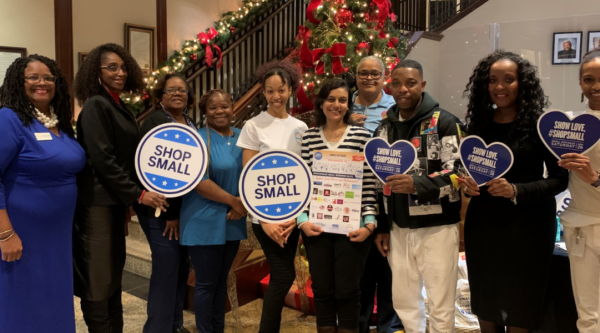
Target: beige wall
{"points": [[427, 53], [524, 27], [98, 22], [186, 18], [498, 11], [29, 24]]}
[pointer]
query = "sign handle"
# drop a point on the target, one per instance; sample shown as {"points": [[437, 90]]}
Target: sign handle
{"points": [[157, 212]]}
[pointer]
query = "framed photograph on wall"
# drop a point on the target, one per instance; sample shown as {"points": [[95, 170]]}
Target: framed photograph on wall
{"points": [[8, 55], [566, 48], [139, 41], [82, 56], [593, 40]]}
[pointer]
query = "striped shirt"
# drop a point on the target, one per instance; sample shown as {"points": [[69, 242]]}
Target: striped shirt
{"points": [[353, 140]]}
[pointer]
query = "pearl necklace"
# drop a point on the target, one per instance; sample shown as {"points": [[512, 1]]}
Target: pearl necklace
{"points": [[48, 122]]}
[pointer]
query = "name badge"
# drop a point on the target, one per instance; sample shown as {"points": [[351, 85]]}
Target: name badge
{"points": [[43, 136]]}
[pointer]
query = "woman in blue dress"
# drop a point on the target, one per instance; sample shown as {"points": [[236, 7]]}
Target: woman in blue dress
{"points": [[213, 218], [39, 159]]}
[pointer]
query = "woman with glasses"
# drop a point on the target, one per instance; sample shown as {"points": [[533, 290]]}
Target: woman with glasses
{"points": [[108, 184], [39, 160], [170, 265]]}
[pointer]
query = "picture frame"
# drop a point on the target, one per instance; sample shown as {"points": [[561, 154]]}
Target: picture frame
{"points": [[566, 48], [139, 41], [81, 56], [593, 40], [8, 54]]}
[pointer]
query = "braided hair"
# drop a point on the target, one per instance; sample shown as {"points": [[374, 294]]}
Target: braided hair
{"points": [[86, 81], [529, 103], [203, 102], [13, 95]]}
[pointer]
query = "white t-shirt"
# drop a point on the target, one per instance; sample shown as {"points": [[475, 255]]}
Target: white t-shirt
{"points": [[267, 132]]}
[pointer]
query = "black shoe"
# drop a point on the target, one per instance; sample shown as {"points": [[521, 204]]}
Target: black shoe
{"points": [[181, 330]]}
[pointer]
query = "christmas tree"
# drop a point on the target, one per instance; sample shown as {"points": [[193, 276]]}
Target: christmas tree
{"points": [[337, 35]]}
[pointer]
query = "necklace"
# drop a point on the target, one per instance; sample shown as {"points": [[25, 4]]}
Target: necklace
{"points": [[48, 122], [228, 136]]}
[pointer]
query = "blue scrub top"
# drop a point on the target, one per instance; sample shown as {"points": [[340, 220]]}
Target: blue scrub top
{"points": [[375, 112], [202, 221]]}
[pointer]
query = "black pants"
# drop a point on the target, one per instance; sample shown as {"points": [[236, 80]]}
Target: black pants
{"points": [[336, 268], [377, 277], [212, 264], [283, 274], [168, 283], [104, 316]]}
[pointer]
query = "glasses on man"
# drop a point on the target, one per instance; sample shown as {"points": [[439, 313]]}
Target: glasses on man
{"points": [[115, 68], [38, 79], [364, 75], [172, 91]]}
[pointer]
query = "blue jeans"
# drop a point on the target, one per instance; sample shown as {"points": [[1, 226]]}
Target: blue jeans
{"points": [[168, 283], [212, 264]]}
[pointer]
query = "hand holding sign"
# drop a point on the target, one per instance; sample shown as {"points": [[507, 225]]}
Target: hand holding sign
{"points": [[482, 162], [563, 135], [171, 160]]}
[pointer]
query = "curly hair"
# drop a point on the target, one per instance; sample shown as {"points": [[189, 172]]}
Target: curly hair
{"points": [[86, 81], [591, 55], [285, 69], [13, 95], [529, 103], [320, 118], [203, 102], [159, 90]]}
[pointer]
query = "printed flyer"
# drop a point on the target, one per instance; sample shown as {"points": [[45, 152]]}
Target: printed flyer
{"points": [[335, 203]]}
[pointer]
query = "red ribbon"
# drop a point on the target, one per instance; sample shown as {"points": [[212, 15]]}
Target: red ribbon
{"points": [[385, 9], [303, 99], [306, 56], [312, 6], [337, 51], [205, 38]]}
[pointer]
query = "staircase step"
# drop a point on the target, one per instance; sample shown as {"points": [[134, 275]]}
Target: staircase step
{"points": [[139, 257], [135, 230]]}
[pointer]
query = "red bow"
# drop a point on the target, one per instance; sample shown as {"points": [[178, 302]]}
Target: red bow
{"points": [[337, 51], [205, 38], [385, 9], [306, 56], [312, 6]]}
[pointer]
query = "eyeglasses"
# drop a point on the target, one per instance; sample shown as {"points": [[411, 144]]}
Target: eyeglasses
{"points": [[38, 79], [364, 75], [115, 68], [172, 91]]}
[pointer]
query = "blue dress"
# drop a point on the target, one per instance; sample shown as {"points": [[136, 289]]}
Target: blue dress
{"points": [[38, 190]]}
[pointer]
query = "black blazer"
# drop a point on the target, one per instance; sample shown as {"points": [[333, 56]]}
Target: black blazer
{"points": [[109, 134]]}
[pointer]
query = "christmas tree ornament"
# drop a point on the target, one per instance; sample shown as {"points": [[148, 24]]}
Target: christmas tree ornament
{"points": [[363, 46], [310, 87], [343, 17]]}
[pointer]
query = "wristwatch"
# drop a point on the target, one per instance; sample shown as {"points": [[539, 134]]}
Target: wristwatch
{"points": [[597, 182]]}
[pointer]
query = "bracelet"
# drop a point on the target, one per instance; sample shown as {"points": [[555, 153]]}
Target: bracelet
{"points": [[5, 232], [371, 232], [7, 238], [141, 197], [514, 198]]}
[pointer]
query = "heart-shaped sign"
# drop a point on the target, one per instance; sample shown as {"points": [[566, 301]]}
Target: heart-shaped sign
{"points": [[563, 135], [386, 160], [483, 162]]}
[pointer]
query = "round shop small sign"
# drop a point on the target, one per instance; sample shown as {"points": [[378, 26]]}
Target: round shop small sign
{"points": [[275, 186], [171, 160]]}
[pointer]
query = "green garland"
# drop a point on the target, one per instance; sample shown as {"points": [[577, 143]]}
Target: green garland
{"points": [[193, 50]]}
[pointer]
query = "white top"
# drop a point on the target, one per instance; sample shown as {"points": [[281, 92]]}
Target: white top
{"points": [[265, 132], [584, 208]]}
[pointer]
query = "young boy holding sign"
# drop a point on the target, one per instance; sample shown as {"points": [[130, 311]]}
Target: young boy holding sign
{"points": [[422, 213]]}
